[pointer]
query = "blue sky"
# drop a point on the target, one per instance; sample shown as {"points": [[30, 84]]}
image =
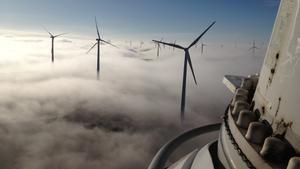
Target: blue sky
{"points": [[246, 19]]}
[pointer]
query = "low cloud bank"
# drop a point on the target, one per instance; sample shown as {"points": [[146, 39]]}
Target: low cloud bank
{"points": [[60, 116]]}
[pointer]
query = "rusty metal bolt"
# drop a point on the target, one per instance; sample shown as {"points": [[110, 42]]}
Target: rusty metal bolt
{"points": [[245, 118], [238, 106], [276, 150], [294, 163], [257, 132]]}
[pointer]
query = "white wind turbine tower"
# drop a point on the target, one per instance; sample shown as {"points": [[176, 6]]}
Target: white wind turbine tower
{"points": [[253, 48], [202, 47], [187, 60], [98, 41], [173, 46], [158, 47], [52, 43]]}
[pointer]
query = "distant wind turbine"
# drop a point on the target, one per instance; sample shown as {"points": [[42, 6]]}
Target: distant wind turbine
{"points": [[98, 41], [52, 43], [174, 44], [187, 59], [163, 44], [202, 47], [141, 44], [158, 47], [253, 48]]}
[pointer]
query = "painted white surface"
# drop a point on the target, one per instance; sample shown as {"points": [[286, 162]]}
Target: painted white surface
{"points": [[284, 83], [203, 159], [180, 164]]}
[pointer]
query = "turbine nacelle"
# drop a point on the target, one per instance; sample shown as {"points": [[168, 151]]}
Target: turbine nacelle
{"points": [[99, 39]]}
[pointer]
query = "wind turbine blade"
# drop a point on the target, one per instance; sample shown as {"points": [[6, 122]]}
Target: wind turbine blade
{"points": [[169, 44], [195, 41], [47, 31], [97, 28], [251, 48], [191, 66], [92, 47], [59, 35], [109, 43]]}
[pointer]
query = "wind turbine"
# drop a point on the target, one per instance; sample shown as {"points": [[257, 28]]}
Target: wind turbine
{"points": [[52, 43], [141, 44], [158, 47], [187, 60], [253, 48], [202, 47], [173, 46], [98, 42]]}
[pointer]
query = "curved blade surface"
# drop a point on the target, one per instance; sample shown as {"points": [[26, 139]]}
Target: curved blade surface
{"points": [[169, 44], [59, 35], [48, 31], [97, 28], [109, 43], [196, 40], [92, 47], [191, 65]]}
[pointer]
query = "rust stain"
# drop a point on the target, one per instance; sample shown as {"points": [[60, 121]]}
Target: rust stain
{"points": [[273, 70], [263, 110], [278, 106], [281, 127]]}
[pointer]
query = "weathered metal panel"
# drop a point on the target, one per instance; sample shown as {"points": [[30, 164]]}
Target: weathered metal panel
{"points": [[278, 88]]}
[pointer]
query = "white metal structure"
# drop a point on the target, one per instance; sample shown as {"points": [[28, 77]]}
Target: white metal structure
{"points": [[187, 60]]}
